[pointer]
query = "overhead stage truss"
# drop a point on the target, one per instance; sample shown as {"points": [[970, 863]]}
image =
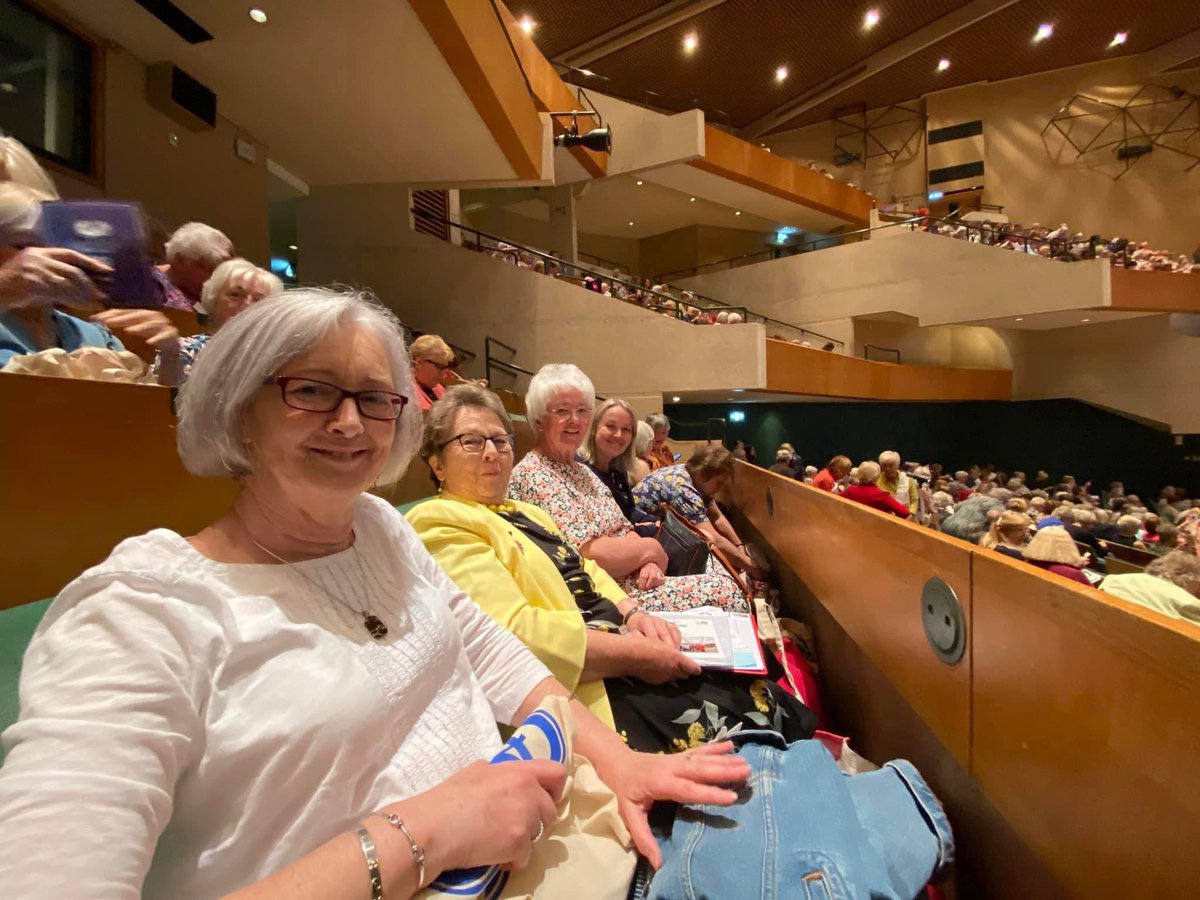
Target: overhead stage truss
{"points": [[888, 131], [1154, 117]]}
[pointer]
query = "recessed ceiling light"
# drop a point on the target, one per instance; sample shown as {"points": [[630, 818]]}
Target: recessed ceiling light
{"points": [[781, 73], [943, 64], [588, 72], [1119, 38], [527, 24], [293, 247], [639, 183], [737, 212], [1085, 320], [739, 390], [1020, 318], [871, 19], [1044, 31], [690, 43], [691, 199], [258, 15], [630, 224], [674, 399]]}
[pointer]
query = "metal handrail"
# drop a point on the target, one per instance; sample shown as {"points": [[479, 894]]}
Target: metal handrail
{"points": [[693, 298], [491, 362]]}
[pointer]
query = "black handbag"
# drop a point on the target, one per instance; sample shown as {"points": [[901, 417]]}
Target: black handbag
{"points": [[687, 554]]}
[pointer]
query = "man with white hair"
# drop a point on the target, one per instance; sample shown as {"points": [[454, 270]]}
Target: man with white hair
{"points": [[1170, 585], [192, 252], [897, 483]]}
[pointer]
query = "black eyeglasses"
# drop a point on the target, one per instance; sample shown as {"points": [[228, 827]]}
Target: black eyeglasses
{"points": [[474, 443], [311, 395]]}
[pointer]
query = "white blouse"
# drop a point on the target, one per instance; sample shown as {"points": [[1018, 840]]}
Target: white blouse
{"points": [[189, 727]]}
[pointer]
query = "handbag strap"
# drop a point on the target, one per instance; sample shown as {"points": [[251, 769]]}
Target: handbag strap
{"points": [[716, 551]]}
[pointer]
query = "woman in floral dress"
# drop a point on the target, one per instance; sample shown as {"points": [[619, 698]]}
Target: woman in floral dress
{"points": [[559, 405]]}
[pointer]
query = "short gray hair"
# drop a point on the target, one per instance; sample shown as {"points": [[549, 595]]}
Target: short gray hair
{"points": [[641, 440], [249, 350], [1129, 522], [1180, 568], [440, 420], [658, 422], [889, 456], [868, 472], [236, 272], [200, 242], [550, 380]]}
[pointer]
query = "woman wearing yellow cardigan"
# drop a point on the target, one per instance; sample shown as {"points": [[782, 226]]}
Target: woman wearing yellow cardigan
{"points": [[512, 560]]}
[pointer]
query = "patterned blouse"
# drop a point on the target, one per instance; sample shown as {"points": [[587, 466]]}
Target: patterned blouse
{"points": [[671, 486], [189, 349]]}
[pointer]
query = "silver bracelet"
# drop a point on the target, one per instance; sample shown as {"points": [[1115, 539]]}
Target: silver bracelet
{"points": [[368, 848], [418, 854]]}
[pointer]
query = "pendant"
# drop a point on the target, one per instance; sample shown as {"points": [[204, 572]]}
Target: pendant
{"points": [[375, 626]]}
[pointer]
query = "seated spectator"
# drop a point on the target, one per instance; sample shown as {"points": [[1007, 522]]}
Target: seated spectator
{"points": [[1170, 585], [236, 285], [970, 519], [134, 703], [559, 406], [659, 452], [834, 473], [783, 463], [34, 280], [564, 607], [1127, 529], [1008, 534], [433, 363], [640, 467], [1168, 539], [897, 483], [690, 489], [193, 253], [1053, 549], [1080, 529], [608, 451], [868, 492], [795, 461]]}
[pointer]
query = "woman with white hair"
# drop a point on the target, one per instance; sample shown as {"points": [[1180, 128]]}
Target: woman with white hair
{"points": [[1053, 549], [433, 365], [235, 286], [559, 405], [193, 253], [659, 452], [295, 701], [640, 467]]}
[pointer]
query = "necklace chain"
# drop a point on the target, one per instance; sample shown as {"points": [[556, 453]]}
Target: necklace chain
{"points": [[371, 622]]}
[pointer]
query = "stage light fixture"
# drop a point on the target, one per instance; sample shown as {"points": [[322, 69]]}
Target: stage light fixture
{"points": [[598, 140]]}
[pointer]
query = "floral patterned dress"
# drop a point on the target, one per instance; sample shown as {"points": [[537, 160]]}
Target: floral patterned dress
{"points": [[583, 509], [671, 486]]}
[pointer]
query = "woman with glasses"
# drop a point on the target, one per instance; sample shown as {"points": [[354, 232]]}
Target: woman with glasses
{"points": [[622, 662], [559, 405], [295, 701], [433, 363]]}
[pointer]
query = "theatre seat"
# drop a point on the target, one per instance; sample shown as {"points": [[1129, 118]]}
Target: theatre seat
{"points": [[16, 628]]}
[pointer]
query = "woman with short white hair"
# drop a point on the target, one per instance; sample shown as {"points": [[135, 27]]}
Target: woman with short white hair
{"points": [[559, 406], [295, 701], [640, 468], [659, 453]]}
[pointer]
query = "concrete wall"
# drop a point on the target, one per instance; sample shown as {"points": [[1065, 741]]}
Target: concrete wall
{"points": [[198, 179], [1040, 179], [934, 279], [966, 346], [360, 236]]}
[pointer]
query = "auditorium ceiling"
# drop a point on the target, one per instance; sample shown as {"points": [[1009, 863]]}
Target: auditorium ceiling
{"points": [[732, 65]]}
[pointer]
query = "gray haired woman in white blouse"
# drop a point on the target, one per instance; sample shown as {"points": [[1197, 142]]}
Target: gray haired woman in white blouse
{"points": [[224, 713]]}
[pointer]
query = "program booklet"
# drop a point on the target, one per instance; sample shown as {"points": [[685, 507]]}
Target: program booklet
{"points": [[717, 639]]}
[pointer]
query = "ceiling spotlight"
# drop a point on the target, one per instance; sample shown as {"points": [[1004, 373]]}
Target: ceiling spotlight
{"points": [[258, 15], [739, 390], [690, 43], [293, 247], [781, 73], [871, 19], [527, 24], [737, 212], [639, 183], [1118, 39], [1020, 318], [598, 140], [943, 65], [1085, 320], [691, 199], [674, 399], [1044, 31], [630, 224]]}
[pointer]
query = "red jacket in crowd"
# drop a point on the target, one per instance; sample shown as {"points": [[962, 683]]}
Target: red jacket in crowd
{"points": [[876, 498]]}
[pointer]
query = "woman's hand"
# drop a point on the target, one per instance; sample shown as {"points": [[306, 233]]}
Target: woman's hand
{"points": [[483, 815], [650, 576], [656, 662], [689, 777], [51, 275], [655, 628], [652, 550], [149, 325]]}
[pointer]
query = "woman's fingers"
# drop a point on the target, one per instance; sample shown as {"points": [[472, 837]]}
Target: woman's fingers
{"points": [[639, 830]]}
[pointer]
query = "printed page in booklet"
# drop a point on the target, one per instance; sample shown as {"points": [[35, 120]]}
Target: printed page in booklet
{"points": [[717, 639]]}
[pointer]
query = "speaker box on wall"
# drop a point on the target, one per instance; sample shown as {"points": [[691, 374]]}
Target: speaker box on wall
{"points": [[177, 94]]}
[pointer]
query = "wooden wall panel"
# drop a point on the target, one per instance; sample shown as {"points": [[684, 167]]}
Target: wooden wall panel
{"points": [[794, 369], [85, 464], [1085, 733], [867, 570], [1154, 292]]}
